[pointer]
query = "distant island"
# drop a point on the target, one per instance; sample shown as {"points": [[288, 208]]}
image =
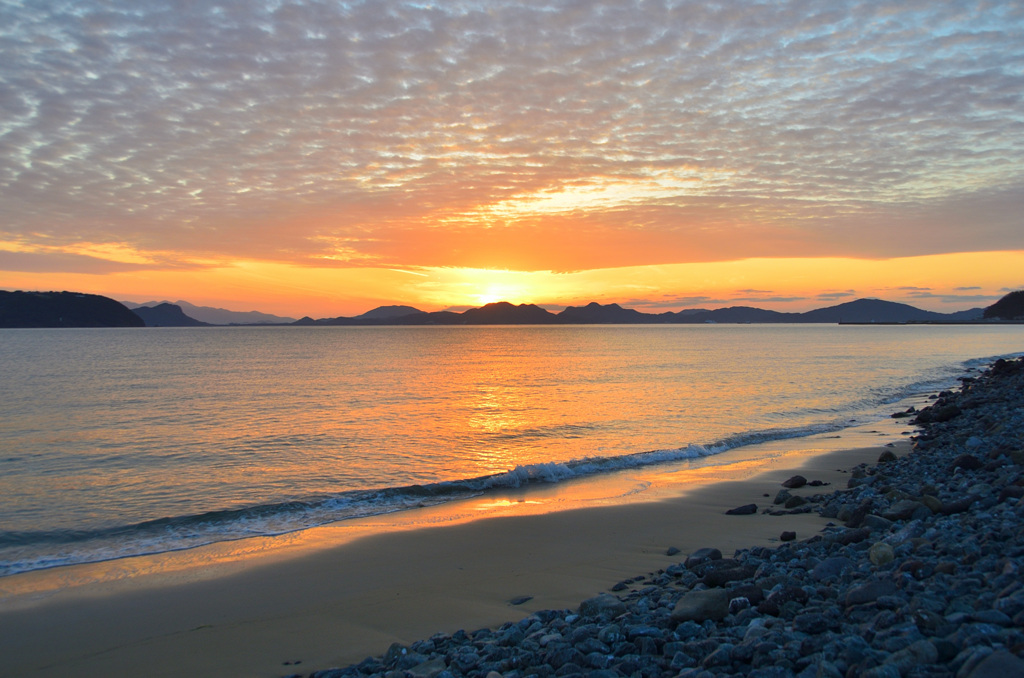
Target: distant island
{"points": [[63, 309], [209, 315], [72, 309], [861, 311]]}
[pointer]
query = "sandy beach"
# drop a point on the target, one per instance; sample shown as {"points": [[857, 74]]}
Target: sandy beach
{"points": [[338, 594]]}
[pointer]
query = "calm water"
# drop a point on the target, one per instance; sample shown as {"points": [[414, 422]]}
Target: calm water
{"points": [[120, 442]]}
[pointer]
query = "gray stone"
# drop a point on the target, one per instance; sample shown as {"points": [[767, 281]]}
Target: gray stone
{"points": [[428, 669], [795, 482], [869, 592], [745, 510], [699, 606], [903, 509], [999, 664], [831, 568], [701, 556], [881, 554], [602, 605]]}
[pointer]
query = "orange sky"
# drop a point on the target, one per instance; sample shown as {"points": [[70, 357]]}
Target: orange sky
{"points": [[302, 159]]}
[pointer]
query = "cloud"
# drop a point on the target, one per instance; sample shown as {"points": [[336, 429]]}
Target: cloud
{"points": [[835, 296], [37, 262], [618, 133]]}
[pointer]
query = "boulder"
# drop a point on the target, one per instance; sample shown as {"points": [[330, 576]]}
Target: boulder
{"points": [[967, 462], [603, 605], [999, 664], [869, 592], [904, 509], [773, 603], [745, 510], [795, 482], [699, 606], [701, 556], [722, 576], [881, 554], [428, 669]]}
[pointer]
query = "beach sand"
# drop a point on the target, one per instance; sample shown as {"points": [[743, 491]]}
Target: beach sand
{"points": [[338, 594]]}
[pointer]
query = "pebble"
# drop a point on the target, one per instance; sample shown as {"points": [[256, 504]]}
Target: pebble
{"points": [[921, 578]]}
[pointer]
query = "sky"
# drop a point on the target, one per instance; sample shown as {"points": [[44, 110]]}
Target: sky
{"points": [[325, 157]]}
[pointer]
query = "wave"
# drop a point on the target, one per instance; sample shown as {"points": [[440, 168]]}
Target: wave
{"points": [[23, 551]]}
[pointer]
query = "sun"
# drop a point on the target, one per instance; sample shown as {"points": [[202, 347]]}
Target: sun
{"points": [[496, 291]]}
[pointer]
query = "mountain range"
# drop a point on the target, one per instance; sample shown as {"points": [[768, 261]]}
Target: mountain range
{"points": [[70, 309], [209, 315], [504, 313]]}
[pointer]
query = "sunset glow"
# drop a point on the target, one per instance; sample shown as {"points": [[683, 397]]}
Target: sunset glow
{"points": [[308, 159]]}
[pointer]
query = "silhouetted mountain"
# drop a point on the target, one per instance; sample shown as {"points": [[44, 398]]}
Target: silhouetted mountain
{"points": [[63, 309], [388, 312], [872, 311], [219, 316], [504, 313], [167, 315], [737, 314], [1008, 308], [609, 313]]}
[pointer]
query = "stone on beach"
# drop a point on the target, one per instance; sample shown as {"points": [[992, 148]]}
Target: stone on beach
{"points": [[699, 606], [701, 556], [925, 581], [602, 605], [745, 510]]}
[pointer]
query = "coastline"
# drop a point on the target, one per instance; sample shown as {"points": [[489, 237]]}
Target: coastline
{"points": [[441, 569]]}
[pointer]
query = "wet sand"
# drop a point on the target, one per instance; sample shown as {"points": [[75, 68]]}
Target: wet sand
{"points": [[335, 595]]}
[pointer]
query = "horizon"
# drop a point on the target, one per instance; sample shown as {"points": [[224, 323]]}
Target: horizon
{"points": [[551, 308], [324, 160]]}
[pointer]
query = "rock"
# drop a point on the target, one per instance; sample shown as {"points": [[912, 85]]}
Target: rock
{"points": [[903, 509], [745, 510], [395, 652], [795, 501], [699, 606], [937, 414], [887, 456], [877, 523], [831, 568], [672, 551], [967, 462], [519, 600], [602, 605], [958, 505], [720, 576], [773, 603], [428, 669], [869, 592], [782, 497], [701, 556], [787, 536], [848, 536], [999, 664], [881, 554], [795, 482]]}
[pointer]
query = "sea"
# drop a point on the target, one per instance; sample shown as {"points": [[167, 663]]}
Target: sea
{"points": [[123, 442]]}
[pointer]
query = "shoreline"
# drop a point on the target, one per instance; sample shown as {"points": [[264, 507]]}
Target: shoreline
{"points": [[342, 593]]}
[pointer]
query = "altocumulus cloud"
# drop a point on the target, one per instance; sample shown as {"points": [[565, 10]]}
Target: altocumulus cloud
{"points": [[341, 131]]}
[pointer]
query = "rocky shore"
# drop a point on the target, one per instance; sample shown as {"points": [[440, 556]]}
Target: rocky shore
{"points": [[919, 573]]}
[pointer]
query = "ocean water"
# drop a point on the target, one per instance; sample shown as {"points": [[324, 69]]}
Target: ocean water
{"points": [[117, 442]]}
